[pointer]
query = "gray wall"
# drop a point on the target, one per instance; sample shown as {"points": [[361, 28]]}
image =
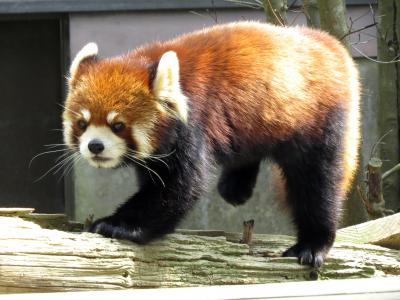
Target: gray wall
{"points": [[98, 192]]}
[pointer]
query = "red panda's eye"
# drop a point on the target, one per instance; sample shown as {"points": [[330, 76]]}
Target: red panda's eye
{"points": [[82, 124], [118, 127]]}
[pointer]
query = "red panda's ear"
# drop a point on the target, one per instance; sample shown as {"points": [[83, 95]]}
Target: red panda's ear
{"points": [[167, 88], [85, 57]]}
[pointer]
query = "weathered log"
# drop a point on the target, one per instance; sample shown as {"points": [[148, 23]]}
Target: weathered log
{"points": [[33, 259], [383, 232]]}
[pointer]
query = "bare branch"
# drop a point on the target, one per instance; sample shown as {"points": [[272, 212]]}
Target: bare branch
{"points": [[391, 171], [255, 4], [395, 60], [358, 30], [378, 142]]}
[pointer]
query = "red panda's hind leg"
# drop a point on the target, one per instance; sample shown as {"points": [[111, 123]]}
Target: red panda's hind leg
{"points": [[236, 184], [313, 171]]}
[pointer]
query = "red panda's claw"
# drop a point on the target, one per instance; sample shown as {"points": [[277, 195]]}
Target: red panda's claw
{"points": [[113, 228], [306, 254]]}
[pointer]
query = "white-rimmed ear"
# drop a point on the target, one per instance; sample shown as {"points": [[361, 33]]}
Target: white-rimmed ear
{"points": [[167, 88], [86, 54]]}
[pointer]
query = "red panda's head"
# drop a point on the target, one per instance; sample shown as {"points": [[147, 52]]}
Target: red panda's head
{"points": [[114, 105]]}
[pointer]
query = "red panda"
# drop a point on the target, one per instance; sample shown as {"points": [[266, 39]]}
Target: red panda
{"points": [[231, 95]]}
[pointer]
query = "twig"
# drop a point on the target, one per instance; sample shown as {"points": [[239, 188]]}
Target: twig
{"points": [[378, 142], [211, 14], [358, 30], [255, 4], [395, 60], [278, 17], [391, 171]]}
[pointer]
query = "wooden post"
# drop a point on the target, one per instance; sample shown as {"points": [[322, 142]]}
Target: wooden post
{"points": [[248, 227], [389, 76], [375, 196]]}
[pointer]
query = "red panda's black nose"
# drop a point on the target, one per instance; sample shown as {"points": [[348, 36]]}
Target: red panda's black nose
{"points": [[95, 146]]}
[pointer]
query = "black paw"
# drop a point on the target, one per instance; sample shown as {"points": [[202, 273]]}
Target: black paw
{"points": [[236, 185], [112, 227], [235, 193], [307, 254]]}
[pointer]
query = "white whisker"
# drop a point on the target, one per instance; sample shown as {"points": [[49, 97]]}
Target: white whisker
{"points": [[150, 158], [44, 153], [51, 145], [134, 159], [154, 155], [70, 165], [74, 112], [62, 162], [65, 162]]}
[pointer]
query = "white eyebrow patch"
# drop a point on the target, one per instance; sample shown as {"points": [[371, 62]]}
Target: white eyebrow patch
{"points": [[86, 114], [110, 117]]}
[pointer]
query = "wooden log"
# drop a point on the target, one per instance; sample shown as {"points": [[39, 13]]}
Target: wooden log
{"points": [[33, 259], [383, 232], [15, 211]]}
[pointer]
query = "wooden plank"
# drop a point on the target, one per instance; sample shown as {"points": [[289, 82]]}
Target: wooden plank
{"points": [[354, 289]]}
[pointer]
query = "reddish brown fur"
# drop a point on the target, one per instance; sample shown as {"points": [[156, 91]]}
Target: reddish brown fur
{"points": [[258, 108], [272, 82]]}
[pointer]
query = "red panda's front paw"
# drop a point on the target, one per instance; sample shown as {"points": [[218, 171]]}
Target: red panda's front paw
{"points": [[112, 227]]}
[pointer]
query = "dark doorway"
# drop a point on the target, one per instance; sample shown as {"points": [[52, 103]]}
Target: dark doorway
{"points": [[30, 93]]}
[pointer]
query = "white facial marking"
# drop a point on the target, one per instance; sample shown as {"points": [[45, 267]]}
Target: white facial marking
{"points": [[89, 50], [141, 135], [167, 87], [68, 133], [86, 114], [110, 117], [114, 147]]}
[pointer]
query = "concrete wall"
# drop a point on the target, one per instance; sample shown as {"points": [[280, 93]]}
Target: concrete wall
{"points": [[98, 192]]}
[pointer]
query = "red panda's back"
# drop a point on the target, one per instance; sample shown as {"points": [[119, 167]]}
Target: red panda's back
{"points": [[283, 79]]}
